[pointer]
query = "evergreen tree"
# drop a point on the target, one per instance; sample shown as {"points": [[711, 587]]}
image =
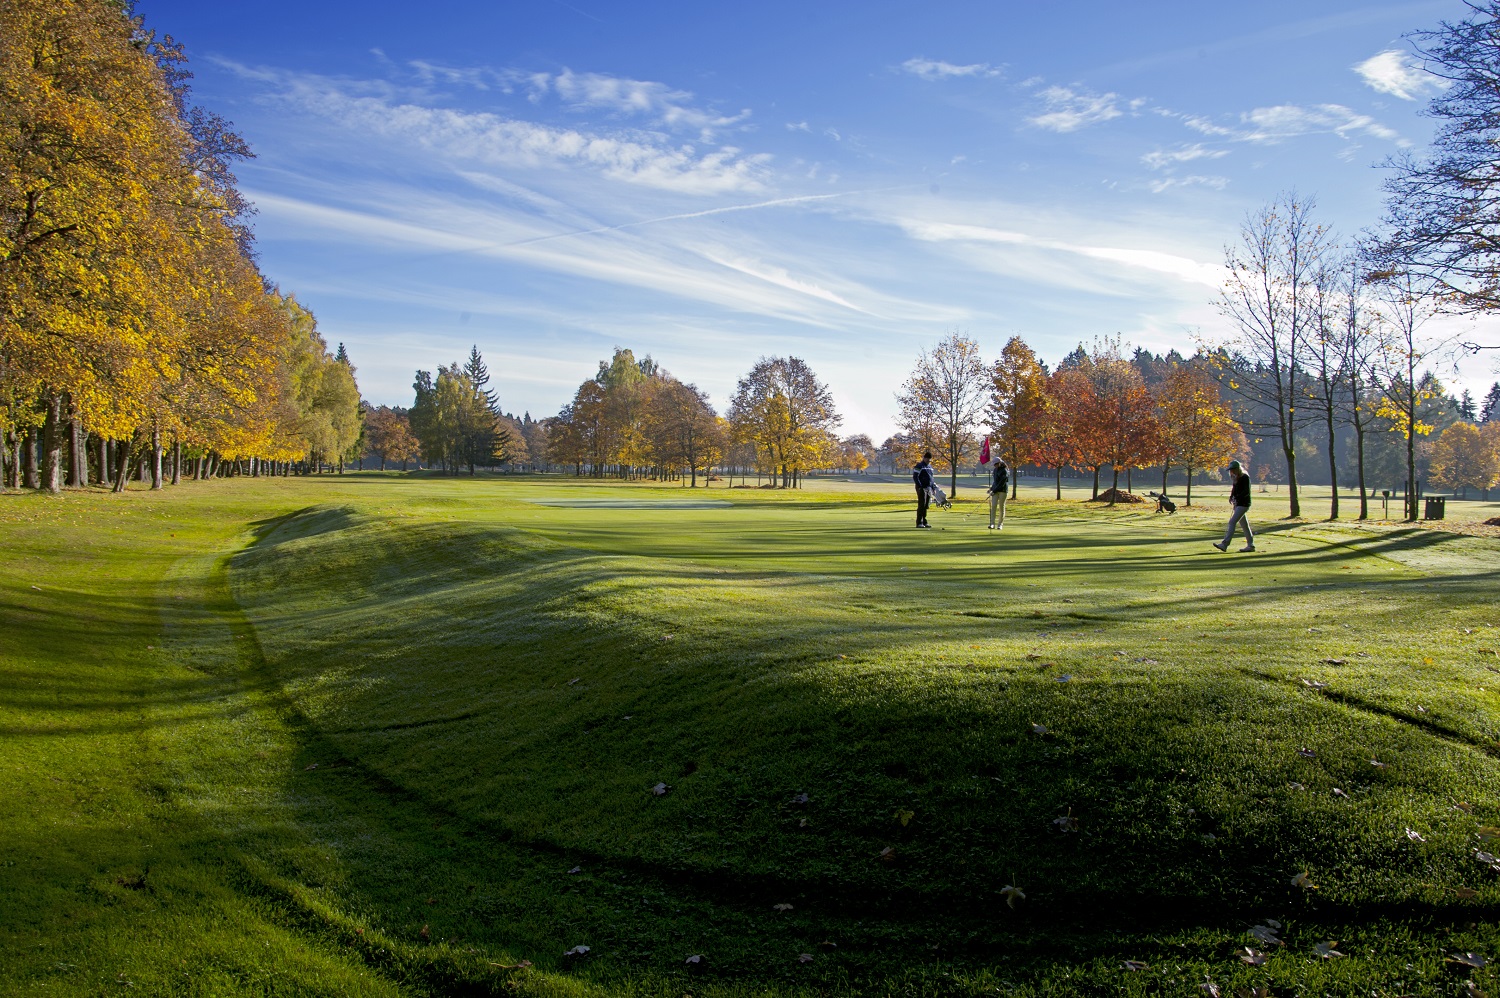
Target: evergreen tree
{"points": [[1466, 407], [1491, 411]]}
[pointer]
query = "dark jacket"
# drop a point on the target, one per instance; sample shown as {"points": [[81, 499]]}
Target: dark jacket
{"points": [[1000, 481], [922, 476], [1240, 493]]}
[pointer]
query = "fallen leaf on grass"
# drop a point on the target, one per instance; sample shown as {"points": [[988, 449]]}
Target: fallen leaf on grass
{"points": [[1473, 960], [1327, 951], [801, 799], [1316, 684], [578, 680], [425, 934], [306, 768], [1295, 786], [804, 958], [1064, 678], [1038, 729], [576, 951], [1253, 957], [904, 817], [1377, 764], [887, 855], [1335, 661], [1307, 753], [827, 945], [660, 790], [510, 966], [432, 900], [1012, 895], [1339, 793], [1487, 832], [576, 869], [1266, 935], [1414, 835], [1135, 965], [696, 962], [1260, 992], [1209, 988], [1488, 859], [1465, 893], [1304, 881], [1067, 823], [1471, 990], [782, 907], [668, 637]]}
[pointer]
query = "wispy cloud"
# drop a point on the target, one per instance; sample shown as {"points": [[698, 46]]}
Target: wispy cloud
{"points": [[933, 70], [1269, 125], [1194, 180], [1171, 264], [1166, 158], [459, 137], [1068, 110], [1396, 73]]}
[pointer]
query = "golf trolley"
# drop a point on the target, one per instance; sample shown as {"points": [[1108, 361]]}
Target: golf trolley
{"points": [[939, 498], [1163, 504]]}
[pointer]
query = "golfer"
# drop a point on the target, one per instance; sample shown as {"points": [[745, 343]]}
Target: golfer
{"points": [[922, 476], [999, 490], [1239, 502]]}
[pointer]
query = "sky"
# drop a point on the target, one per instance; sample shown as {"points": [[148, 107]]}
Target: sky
{"points": [[711, 183]]}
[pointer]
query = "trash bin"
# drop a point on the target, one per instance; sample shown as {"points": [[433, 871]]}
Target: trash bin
{"points": [[1434, 507]]}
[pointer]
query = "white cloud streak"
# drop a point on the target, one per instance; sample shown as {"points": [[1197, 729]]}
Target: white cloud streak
{"points": [[1161, 159], [933, 70]]}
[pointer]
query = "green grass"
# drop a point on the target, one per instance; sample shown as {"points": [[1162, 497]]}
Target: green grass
{"points": [[256, 736]]}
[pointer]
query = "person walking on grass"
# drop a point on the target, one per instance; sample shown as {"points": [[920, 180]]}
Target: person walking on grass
{"points": [[922, 476], [999, 490], [1239, 504]]}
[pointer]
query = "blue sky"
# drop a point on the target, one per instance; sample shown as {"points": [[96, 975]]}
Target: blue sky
{"points": [[847, 182]]}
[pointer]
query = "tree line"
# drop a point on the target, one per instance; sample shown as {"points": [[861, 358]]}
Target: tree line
{"points": [[137, 336]]}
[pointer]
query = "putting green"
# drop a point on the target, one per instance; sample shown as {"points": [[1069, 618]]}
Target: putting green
{"points": [[410, 732]]}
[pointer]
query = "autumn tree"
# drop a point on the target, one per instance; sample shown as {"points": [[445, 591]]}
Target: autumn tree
{"points": [[946, 395], [1018, 390], [388, 436], [1198, 426], [1464, 456], [1406, 304], [782, 408]]}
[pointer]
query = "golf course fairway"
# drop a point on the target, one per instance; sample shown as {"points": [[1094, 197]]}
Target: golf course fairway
{"points": [[403, 735]]}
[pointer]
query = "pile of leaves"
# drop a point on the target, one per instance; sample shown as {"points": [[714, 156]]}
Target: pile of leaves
{"points": [[1116, 495]]}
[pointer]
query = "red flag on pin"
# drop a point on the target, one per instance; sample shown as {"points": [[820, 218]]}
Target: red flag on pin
{"points": [[984, 452]]}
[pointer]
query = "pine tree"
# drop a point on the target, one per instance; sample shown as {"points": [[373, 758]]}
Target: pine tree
{"points": [[479, 375], [1491, 411]]}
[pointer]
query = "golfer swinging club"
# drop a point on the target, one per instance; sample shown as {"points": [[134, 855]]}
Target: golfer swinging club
{"points": [[1239, 501]]}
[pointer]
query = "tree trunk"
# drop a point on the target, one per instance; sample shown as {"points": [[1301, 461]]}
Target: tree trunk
{"points": [[176, 460], [122, 464], [1189, 486], [32, 469], [52, 446], [156, 476], [1096, 484], [18, 440], [1359, 465], [1059, 483], [1164, 469], [1333, 466], [1288, 449], [78, 456], [104, 470]]}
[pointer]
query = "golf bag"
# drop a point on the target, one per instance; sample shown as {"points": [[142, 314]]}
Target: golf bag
{"points": [[939, 498], [1163, 504]]}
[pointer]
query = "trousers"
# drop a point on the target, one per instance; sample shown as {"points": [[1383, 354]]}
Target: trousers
{"points": [[1239, 519], [997, 507]]}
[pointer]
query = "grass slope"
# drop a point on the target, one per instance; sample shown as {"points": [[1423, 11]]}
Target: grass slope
{"points": [[367, 750]]}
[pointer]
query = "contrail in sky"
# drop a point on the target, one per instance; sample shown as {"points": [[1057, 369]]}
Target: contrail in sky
{"points": [[698, 214]]}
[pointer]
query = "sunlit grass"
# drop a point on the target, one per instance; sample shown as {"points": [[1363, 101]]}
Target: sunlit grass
{"points": [[414, 705]]}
